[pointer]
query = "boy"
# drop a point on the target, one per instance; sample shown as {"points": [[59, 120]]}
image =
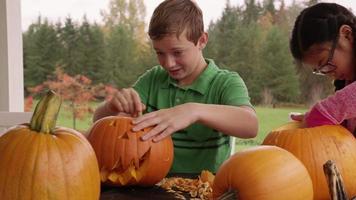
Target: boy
{"points": [[186, 96]]}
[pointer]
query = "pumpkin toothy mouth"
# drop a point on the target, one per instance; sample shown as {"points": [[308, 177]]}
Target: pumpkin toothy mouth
{"points": [[128, 176]]}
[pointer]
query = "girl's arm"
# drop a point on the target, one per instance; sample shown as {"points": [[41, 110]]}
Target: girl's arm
{"points": [[334, 109]]}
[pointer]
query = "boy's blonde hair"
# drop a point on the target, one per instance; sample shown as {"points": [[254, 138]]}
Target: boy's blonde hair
{"points": [[176, 17]]}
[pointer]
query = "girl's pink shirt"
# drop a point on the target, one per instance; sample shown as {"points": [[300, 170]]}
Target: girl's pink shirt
{"points": [[335, 109]]}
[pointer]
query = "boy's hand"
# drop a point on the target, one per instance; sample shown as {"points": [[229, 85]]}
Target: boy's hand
{"points": [[128, 101], [166, 121]]}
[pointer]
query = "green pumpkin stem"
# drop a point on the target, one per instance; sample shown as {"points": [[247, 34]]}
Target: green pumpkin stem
{"points": [[45, 115]]}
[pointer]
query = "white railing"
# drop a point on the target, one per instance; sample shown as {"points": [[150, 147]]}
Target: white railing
{"points": [[9, 119], [232, 144]]}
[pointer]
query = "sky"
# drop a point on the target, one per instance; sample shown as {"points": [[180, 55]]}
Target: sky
{"points": [[55, 10]]}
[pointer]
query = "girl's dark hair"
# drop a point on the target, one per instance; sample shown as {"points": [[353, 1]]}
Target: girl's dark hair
{"points": [[318, 24]]}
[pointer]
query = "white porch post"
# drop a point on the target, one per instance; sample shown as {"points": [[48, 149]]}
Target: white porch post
{"points": [[11, 62]]}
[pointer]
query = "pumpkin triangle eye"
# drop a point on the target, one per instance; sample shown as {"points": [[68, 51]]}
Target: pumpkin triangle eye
{"points": [[113, 123], [125, 135]]}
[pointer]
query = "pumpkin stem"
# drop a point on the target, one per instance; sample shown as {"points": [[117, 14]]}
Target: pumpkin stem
{"points": [[45, 115], [335, 182], [229, 195]]}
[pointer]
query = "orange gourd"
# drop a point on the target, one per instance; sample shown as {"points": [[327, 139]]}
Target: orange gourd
{"points": [[314, 147], [263, 172], [124, 159], [41, 161]]}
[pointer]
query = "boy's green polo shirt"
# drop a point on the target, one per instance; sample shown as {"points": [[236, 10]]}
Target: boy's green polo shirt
{"points": [[196, 147]]}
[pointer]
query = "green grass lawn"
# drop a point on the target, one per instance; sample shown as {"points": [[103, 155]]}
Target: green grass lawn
{"points": [[269, 118], [65, 118]]}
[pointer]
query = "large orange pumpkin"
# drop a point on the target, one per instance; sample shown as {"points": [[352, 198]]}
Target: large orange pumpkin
{"points": [[264, 173], [124, 159], [314, 147], [41, 161]]}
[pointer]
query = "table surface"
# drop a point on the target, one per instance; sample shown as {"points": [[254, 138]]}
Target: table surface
{"points": [[137, 193]]}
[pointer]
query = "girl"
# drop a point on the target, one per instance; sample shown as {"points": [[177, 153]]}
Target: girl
{"points": [[323, 38]]}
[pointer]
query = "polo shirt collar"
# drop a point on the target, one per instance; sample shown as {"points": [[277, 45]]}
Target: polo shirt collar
{"points": [[203, 82]]}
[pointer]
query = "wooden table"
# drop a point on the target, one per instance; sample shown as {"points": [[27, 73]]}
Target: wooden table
{"points": [[138, 193], [135, 193]]}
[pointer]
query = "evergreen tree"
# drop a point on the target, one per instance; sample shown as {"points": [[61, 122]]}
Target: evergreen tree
{"points": [[268, 6], [130, 13], [121, 68], [277, 70], [252, 11], [42, 52], [92, 51], [235, 45], [281, 18], [69, 37], [224, 33], [311, 2], [128, 48]]}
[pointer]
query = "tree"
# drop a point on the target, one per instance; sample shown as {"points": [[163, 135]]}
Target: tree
{"points": [[127, 46], [281, 18], [129, 13], [42, 52], [77, 90], [91, 51], [121, 66], [311, 2], [69, 37], [277, 70], [292, 12], [224, 32], [241, 53], [251, 12], [268, 6]]}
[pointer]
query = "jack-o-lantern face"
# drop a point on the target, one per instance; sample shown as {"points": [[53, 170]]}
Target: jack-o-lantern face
{"points": [[124, 159]]}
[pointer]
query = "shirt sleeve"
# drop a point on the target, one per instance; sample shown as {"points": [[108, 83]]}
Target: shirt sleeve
{"points": [[315, 118], [235, 91], [334, 109], [142, 85]]}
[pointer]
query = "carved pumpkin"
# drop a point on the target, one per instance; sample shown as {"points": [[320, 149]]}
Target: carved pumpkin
{"points": [[263, 172], [124, 159], [314, 147], [41, 161]]}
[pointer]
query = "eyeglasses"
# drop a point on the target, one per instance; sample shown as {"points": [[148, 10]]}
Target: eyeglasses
{"points": [[328, 67]]}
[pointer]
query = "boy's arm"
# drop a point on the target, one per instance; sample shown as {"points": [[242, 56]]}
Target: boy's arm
{"points": [[334, 109], [232, 120], [238, 121], [232, 115]]}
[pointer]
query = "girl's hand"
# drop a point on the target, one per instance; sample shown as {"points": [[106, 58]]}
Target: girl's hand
{"points": [[297, 117]]}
